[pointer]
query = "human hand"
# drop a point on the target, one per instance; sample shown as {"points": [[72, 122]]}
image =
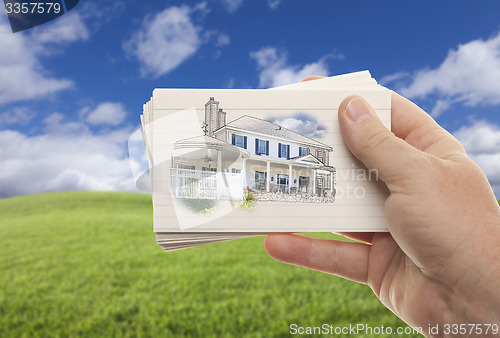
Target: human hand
{"points": [[440, 263]]}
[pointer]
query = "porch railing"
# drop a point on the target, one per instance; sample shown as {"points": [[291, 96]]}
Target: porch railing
{"points": [[187, 183]]}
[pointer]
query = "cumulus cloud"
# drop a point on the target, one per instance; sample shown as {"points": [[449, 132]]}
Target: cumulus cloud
{"points": [[481, 140], [232, 5], [273, 4], [275, 70], [470, 74], [22, 75], [107, 113], [222, 39], [164, 41], [391, 78], [18, 115], [302, 124], [167, 39], [67, 156], [68, 28]]}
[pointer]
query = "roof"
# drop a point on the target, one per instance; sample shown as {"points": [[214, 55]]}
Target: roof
{"points": [[256, 125], [200, 140]]}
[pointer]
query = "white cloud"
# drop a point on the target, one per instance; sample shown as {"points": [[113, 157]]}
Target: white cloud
{"points": [[481, 140], [440, 106], [22, 75], [107, 113], [55, 124], [164, 41], [232, 5], [19, 115], [470, 74], [66, 29], [393, 77], [275, 70], [67, 156], [303, 125], [222, 40], [169, 38], [273, 4]]}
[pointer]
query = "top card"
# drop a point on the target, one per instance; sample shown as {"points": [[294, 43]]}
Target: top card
{"points": [[259, 161]]}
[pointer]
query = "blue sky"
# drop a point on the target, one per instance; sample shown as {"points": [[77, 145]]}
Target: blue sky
{"points": [[71, 90]]}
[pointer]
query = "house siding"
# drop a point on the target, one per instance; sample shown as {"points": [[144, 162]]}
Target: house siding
{"points": [[293, 147]]}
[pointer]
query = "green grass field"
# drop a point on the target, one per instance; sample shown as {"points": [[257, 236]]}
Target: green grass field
{"points": [[86, 264]]}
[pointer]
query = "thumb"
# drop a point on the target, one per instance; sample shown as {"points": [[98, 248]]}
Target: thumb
{"points": [[375, 145]]}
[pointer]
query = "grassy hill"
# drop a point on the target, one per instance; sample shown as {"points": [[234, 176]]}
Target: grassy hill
{"points": [[86, 264]]}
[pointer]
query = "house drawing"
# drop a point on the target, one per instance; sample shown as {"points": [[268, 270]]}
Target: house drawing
{"points": [[249, 152]]}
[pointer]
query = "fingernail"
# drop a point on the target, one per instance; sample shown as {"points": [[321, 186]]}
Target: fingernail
{"points": [[358, 110]]}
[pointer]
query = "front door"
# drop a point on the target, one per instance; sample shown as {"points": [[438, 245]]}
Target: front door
{"points": [[282, 181], [260, 180], [304, 184], [320, 186]]}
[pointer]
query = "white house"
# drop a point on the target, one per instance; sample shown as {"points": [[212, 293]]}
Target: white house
{"points": [[249, 153]]}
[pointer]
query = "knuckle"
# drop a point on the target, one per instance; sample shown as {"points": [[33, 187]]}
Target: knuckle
{"points": [[377, 139]]}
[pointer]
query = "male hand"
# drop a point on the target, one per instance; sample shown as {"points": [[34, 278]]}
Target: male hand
{"points": [[440, 263]]}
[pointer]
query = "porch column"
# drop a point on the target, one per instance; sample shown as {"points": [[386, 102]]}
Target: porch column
{"points": [[244, 173], [290, 178], [331, 181], [314, 183], [268, 178], [219, 174]]}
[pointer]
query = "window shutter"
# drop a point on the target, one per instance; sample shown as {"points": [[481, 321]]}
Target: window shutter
{"points": [[279, 149], [233, 141], [245, 142], [256, 146], [267, 148], [300, 151], [288, 152]]}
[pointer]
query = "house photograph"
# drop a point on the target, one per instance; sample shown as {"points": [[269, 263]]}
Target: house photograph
{"points": [[228, 158]]}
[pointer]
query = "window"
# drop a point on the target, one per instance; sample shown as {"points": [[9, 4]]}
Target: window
{"points": [[235, 171], [186, 166], [261, 147], [239, 141], [320, 154], [283, 150], [303, 151], [260, 176]]}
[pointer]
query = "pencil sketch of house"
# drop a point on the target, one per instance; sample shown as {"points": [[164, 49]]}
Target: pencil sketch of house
{"points": [[249, 152]]}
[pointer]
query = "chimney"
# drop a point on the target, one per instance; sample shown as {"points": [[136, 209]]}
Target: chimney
{"points": [[221, 119], [211, 116]]}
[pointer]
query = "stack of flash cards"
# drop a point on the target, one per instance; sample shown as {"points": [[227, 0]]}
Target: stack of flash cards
{"points": [[233, 163]]}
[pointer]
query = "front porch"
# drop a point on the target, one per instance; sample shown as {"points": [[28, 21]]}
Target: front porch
{"points": [[198, 184], [294, 176], [206, 168]]}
